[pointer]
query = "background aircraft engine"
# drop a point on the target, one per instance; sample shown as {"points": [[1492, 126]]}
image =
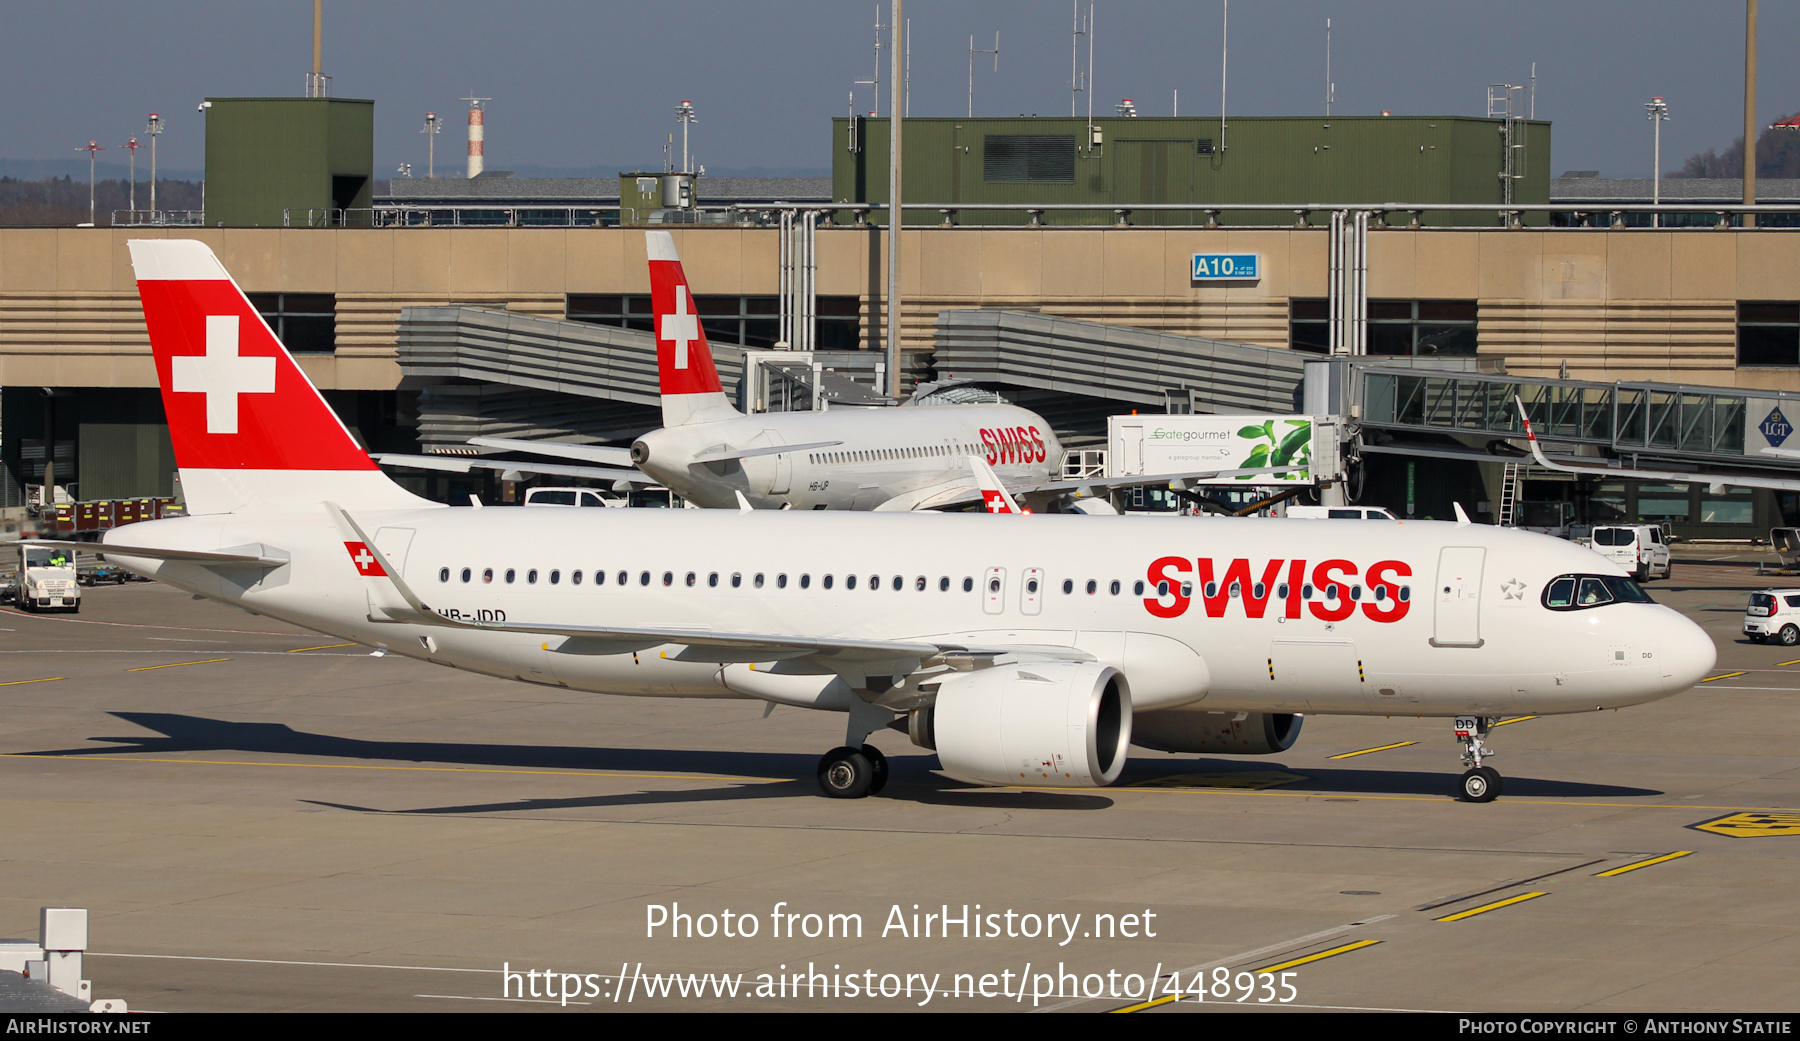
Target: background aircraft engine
{"points": [[1062, 724], [1233, 733]]}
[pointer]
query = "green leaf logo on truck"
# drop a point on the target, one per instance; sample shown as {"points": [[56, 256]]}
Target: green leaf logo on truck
{"points": [[1274, 447]]}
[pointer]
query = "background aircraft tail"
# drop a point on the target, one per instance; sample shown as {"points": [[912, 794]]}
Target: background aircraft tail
{"points": [[691, 392], [250, 431]]}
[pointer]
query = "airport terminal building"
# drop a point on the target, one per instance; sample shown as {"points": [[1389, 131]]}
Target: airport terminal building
{"points": [[459, 308]]}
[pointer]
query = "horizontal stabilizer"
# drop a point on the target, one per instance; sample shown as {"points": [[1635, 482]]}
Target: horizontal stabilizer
{"points": [[602, 454], [463, 464], [751, 453]]}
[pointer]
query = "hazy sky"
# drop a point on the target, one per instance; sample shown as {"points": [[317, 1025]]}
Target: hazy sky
{"points": [[584, 84]]}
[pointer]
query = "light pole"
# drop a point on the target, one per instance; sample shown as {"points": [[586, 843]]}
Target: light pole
{"points": [[433, 125], [154, 129], [132, 144], [684, 114], [90, 148], [1657, 111]]}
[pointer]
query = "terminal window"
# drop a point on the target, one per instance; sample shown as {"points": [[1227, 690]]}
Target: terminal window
{"points": [[1425, 328], [1028, 157], [1768, 333], [752, 321], [306, 323]]}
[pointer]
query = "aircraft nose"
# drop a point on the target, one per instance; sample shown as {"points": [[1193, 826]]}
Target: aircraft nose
{"points": [[1688, 655]]}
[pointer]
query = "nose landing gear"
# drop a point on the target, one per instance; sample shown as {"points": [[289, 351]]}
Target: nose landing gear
{"points": [[1479, 783]]}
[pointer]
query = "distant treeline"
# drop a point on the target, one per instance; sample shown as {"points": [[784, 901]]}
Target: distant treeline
{"points": [[63, 201], [1777, 155]]}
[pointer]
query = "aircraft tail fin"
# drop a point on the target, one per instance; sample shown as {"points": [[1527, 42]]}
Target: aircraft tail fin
{"points": [[691, 392], [250, 431], [994, 496]]}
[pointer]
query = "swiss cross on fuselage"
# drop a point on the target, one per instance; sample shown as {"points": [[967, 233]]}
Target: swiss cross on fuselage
{"points": [[221, 374], [680, 327]]}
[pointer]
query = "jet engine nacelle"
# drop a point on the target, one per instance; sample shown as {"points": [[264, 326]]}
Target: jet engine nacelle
{"points": [[1232, 733], [1060, 724]]}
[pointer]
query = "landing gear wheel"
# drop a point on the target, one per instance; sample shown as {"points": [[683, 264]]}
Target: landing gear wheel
{"points": [[1481, 784], [878, 769], [1790, 635], [845, 773]]}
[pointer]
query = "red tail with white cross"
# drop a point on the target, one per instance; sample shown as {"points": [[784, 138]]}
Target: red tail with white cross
{"points": [[250, 431], [691, 392]]}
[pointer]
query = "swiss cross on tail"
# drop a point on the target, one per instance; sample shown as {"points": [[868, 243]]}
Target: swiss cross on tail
{"points": [[683, 361], [234, 398], [994, 496], [367, 563]]}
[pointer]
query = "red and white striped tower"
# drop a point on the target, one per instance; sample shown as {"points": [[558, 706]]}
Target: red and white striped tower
{"points": [[476, 133]]}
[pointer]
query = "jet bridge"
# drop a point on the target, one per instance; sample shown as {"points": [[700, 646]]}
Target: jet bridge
{"points": [[1707, 430]]}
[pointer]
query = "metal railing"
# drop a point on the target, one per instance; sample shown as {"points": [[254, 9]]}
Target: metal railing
{"points": [[158, 218], [1565, 216], [1648, 418]]}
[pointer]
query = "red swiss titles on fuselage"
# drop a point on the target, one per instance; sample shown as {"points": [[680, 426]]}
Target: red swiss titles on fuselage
{"points": [[1013, 445], [1290, 584]]}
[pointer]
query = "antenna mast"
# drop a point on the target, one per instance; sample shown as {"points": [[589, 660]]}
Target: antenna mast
{"points": [[1078, 82], [973, 51]]}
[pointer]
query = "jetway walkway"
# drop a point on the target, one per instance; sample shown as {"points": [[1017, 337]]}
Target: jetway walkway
{"points": [[1644, 424]]}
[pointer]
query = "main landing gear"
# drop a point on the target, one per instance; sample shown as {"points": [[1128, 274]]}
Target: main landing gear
{"points": [[856, 769], [1479, 783], [851, 773]]}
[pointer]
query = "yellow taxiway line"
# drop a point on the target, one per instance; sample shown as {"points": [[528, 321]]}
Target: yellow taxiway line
{"points": [[46, 679], [176, 664], [1485, 908], [321, 647], [1726, 676], [1366, 751], [1652, 862], [1321, 956]]}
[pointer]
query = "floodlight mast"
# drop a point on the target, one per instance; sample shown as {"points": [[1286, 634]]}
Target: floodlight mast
{"points": [[90, 148], [132, 144], [433, 126], [154, 130], [684, 114], [1657, 110]]}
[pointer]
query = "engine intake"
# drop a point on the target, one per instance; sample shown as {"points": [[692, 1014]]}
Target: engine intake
{"points": [[1058, 724], [1230, 733]]}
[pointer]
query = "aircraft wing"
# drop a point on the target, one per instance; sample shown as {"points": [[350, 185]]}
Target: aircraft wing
{"points": [[463, 464], [559, 450], [260, 558], [1088, 485], [1715, 481]]}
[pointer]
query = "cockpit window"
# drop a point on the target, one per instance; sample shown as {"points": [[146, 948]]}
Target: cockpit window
{"points": [[1578, 592]]}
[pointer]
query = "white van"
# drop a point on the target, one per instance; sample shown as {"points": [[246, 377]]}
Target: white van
{"points": [[570, 497], [1773, 614], [1638, 548], [1340, 513]]}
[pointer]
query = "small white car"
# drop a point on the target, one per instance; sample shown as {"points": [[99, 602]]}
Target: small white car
{"points": [[1638, 548], [1773, 614]]}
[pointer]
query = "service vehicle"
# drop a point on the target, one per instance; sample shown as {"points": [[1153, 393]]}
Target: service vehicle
{"points": [[48, 580], [1641, 549], [1773, 614], [1026, 651]]}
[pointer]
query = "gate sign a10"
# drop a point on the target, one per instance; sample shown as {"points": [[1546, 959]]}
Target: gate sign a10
{"points": [[1240, 267]]}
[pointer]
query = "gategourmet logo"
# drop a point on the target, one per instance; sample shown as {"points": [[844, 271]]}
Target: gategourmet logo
{"points": [[1163, 434]]}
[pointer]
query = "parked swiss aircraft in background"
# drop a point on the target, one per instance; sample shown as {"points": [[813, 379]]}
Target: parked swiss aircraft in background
{"points": [[709, 453], [1029, 652]]}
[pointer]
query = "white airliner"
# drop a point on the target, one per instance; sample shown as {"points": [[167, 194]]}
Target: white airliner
{"points": [[852, 459], [1030, 651]]}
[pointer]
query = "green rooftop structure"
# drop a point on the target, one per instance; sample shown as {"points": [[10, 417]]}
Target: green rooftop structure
{"points": [[1280, 160], [269, 156]]}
